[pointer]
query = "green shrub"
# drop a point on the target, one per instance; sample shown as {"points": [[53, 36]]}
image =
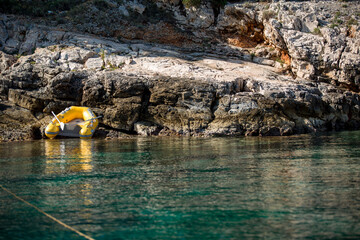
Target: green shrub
{"points": [[218, 3], [112, 67], [279, 60], [333, 25], [269, 14], [76, 11], [36, 8], [316, 31], [191, 3], [102, 54], [339, 21], [336, 21], [352, 21], [101, 4]]}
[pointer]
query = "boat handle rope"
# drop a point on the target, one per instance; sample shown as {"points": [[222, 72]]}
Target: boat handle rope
{"points": [[93, 118], [48, 215]]}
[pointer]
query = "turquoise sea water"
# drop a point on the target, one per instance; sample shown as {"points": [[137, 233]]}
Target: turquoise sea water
{"points": [[298, 187]]}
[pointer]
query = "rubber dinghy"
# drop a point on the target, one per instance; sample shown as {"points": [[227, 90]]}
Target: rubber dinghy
{"points": [[73, 122]]}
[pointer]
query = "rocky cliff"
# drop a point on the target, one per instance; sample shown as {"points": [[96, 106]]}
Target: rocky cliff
{"points": [[249, 68]]}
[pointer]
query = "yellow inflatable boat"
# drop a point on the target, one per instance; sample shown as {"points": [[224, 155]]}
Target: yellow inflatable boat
{"points": [[73, 122]]}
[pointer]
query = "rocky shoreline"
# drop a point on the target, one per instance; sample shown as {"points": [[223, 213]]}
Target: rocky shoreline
{"points": [[272, 69]]}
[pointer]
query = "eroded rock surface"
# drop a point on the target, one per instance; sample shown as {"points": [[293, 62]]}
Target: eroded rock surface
{"points": [[278, 70]]}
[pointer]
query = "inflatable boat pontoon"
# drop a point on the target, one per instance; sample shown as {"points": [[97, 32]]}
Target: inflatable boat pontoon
{"points": [[73, 122]]}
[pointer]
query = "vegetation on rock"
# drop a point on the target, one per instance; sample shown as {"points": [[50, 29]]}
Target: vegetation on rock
{"points": [[37, 8], [197, 3], [191, 3]]}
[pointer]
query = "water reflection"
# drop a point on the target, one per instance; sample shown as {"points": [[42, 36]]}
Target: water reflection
{"points": [[216, 188], [68, 155]]}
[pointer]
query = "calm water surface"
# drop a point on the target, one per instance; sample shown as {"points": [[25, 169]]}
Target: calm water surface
{"points": [[183, 188]]}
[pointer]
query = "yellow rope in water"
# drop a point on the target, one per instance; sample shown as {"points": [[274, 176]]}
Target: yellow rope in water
{"points": [[46, 214]]}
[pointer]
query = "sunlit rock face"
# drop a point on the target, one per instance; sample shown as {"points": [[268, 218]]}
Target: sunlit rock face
{"points": [[242, 69]]}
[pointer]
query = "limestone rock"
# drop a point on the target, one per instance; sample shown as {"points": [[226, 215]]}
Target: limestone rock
{"points": [[76, 55], [305, 50], [3, 32], [350, 60], [146, 128], [238, 21], [94, 63], [116, 61], [334, 47], [29, 45], [124, 11], [66, 86], [11, 46], [273, 34], [118, 85], [6, 61], [16, 123], [309, 23], [136, 6], [57, 106], [180, 105], [200, 17], [22, 99], [124, 113], [214, 87]]}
